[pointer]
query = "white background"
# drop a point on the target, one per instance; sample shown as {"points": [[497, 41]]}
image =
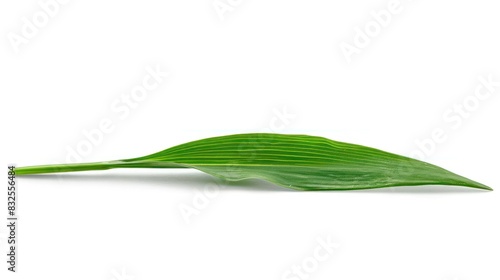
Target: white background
{"points": [[240, 71]]}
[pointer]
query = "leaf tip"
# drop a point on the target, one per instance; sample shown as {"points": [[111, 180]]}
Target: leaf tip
{"points": [[477, 185]]}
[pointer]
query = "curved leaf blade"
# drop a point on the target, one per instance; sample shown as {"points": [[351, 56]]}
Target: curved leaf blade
{"points": [[305, 162]]}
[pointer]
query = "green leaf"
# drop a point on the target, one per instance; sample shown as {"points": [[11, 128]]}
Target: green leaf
{"points": [[294, 161]]}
